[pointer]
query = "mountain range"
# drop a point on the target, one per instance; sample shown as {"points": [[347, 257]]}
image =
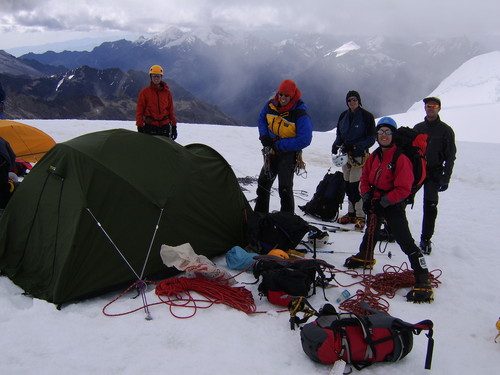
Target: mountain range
{"points": [[237, 72]]}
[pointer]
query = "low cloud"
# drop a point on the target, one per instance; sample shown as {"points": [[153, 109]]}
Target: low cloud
{"points": [[426, 18]]}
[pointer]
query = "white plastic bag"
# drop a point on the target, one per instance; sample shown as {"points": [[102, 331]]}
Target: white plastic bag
{"points": [[185, 259]]}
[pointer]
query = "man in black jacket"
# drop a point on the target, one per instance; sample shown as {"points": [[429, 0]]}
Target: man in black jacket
{"points": [[440, 154], [355, 136]]}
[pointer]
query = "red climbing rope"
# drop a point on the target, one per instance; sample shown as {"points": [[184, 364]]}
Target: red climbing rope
{"points": [[384, 284], [177, 292]]}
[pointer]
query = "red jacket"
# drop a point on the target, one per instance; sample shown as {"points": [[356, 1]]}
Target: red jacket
{"points": [[391, 186], [155, 106]]}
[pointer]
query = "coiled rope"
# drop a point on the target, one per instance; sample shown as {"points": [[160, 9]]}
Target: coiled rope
{"points": [[214, 292], [176, 292]]}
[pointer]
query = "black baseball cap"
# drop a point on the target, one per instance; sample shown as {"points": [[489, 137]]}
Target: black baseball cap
{"points": [[432, 99]]}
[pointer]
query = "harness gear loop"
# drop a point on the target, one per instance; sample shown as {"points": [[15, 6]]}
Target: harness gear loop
{"points": [[300, 166], [266, 153], [355, 164]]}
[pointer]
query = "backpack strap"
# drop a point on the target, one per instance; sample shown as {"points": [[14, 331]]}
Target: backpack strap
{"points": [[426, 325]]}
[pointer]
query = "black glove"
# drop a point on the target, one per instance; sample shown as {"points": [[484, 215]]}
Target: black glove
{"points": [[266, 140], [140, 129], [335, 149], [173, 132], [443, 187], [367, 206], [347, 148], [377, 208]]}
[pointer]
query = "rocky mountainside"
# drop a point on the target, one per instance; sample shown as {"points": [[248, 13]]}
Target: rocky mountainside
{"points": [[90, 93], [238, 72]]}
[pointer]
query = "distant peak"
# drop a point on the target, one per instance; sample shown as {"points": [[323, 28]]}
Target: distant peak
{"points": [[345, 48]]}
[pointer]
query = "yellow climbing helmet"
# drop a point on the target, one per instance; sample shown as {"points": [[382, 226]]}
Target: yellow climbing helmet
{"points": [[156, 69], [278, 253]]}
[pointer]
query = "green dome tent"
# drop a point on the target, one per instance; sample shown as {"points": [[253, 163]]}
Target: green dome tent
{"points": [[93, 213]]}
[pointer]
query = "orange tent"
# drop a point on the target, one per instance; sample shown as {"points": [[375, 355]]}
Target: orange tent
{"points": [[27, 142]]}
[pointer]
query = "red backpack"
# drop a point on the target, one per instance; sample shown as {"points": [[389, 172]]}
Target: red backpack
{"points": [[413, 145], [361, 340]]}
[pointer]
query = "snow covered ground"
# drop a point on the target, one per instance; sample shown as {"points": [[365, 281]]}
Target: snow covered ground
{"points": [[36, 338]]}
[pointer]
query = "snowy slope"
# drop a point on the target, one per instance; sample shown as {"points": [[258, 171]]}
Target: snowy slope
{"points": [[470, 100]]}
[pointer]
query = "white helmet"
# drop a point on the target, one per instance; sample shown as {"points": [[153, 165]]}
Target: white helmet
{"points": [[340, 160], [319, 237]]}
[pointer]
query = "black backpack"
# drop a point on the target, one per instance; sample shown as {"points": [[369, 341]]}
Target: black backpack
{"points": [[413, 145], [361, 340], [284, 279], [277, 230], [328, 198]]}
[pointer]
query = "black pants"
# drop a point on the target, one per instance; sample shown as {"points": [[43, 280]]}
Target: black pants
{"points": [[395, 216], [282, 166], [431, 199]]}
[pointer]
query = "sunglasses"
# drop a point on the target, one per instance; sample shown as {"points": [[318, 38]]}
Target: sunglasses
{"points": [[432, 106], [155, 75], [285, 95], [388, 132], [352, 100]]}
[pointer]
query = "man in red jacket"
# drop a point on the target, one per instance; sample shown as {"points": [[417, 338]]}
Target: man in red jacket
{"points": [[384, 185], [155, 107]]}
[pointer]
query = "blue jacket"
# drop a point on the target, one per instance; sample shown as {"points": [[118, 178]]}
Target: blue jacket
{"points": [[291, 131]]}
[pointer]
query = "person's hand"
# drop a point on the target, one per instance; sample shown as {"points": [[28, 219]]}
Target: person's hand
{"points": [[443, 187], [347, 147], [140, 129], [367, 206], [266, 140], [335, 149], [173, 132]]}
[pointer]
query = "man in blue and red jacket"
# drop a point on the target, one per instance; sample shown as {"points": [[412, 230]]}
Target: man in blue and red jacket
{"points": [[384, 185], [285, 129]]}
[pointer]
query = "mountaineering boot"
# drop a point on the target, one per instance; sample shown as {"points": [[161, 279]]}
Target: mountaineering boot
{"points": [[422, 291], [360, 223], [358, 261], [350, 218], [426, 246]]}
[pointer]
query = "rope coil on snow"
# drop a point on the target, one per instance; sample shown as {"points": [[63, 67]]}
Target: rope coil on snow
{"points": [[215, 292]]}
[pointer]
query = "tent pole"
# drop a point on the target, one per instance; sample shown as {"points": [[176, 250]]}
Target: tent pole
{"points": [[110, 240], [151, 244]]}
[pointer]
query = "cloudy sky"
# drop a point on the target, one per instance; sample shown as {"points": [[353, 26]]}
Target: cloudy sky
{"points": [[35, 22]]}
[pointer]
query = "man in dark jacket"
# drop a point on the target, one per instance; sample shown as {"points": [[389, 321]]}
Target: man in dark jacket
{"points": [[285, 129], [440, 154], [384, 188], [355, 136]]}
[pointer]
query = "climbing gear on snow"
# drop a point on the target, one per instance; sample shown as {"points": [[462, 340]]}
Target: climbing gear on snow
{"points": [[350, 218], [278, 253], [359, 340], [354, 262], [327, 198], [360, 222]]}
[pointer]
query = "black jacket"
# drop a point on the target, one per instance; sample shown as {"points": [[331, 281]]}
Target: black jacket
{"points": [[441, 149], [356, 130]]}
